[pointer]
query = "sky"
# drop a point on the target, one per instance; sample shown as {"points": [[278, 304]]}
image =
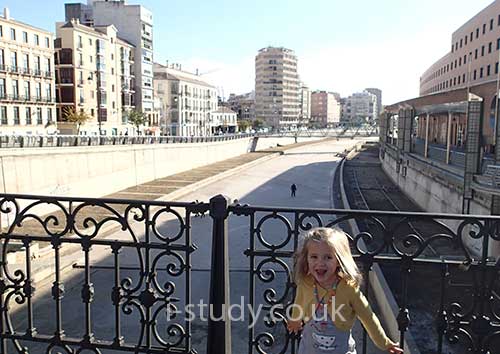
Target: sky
{"points": [[341, 46]]}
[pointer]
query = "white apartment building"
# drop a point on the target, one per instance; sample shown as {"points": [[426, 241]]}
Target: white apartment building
{"points": [[27, 99], [305, 104], [188, 101], [361, 108], [325, 108], [277, 99], [135, 25], [224, 120], [378, 93], [94, 74]]}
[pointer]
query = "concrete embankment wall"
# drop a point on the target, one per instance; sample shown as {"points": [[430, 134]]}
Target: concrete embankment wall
{"points": [[433, 188], [100, 170]]}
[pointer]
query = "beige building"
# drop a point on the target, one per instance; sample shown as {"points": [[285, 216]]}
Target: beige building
{"points": [[243, 105], [277, 99], [325, 108], [360, 108], [94, 73], [305, 104], [27, 92], [475, 47], [224, 120], [188, 101]]}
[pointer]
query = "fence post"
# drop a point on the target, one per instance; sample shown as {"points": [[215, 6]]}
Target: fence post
{"points": [[219, 327]]}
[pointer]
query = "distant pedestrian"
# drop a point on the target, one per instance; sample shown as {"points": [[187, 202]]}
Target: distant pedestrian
{"points": [[293, 189]]}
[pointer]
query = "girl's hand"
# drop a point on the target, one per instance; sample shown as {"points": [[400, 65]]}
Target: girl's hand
{"points": [[294, 326], [395, 349]]}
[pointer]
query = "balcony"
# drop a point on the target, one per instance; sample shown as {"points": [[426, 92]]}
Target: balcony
{"points": [[37, 72], [3, 67], [66, 81]]}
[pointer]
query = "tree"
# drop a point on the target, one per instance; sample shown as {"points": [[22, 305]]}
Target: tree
{"points": [[137, 119], [257, 123], [243, 125], [77, 117]]}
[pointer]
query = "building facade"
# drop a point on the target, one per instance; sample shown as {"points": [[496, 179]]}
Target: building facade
{"points": [[277, 99], [378, 93], [27, 85], [188, 102], [94, 74], [325, 109], [224, 121], [361, 108], [134, 24], [243, 105], [305, 105]]}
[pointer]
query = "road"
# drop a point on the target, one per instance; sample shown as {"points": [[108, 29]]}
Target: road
{"points": [[310, 167]]}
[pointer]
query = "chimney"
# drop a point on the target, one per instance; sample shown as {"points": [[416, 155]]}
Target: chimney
{"points": [[6, 13], [167, 63], [197, 72]]}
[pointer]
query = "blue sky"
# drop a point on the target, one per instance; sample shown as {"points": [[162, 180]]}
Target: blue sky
{"points": [[342, 46]]}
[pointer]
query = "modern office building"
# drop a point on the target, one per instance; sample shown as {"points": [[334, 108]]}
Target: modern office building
{"points": [[277, 99], [188, 101], [94, 74], [325, 109], [378, 93], [27, 91], [361, 108], [134, 24]]}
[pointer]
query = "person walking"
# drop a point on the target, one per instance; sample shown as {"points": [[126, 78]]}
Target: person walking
{"points": [[293, 189]]}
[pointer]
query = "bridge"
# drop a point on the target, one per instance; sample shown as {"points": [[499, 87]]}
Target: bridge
{"points": [[136, 261]]}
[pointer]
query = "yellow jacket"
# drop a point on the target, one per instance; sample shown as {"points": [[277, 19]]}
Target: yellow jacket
{"points": [[349, 303]]}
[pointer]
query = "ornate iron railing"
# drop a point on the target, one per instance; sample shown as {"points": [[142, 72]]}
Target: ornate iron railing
{"points": [[158, 238]]}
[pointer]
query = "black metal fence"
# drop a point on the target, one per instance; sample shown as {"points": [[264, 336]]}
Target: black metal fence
{"points": [[464, 320]]}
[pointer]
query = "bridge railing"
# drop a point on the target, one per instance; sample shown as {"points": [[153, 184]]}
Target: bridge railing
{"points": [[156, 239]]}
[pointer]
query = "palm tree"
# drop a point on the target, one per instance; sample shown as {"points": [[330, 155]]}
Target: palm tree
{"points": [[78, 117]]}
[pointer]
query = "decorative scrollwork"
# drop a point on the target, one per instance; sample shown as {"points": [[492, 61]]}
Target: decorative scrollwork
{"points": [[155, 225], [268, 244]]}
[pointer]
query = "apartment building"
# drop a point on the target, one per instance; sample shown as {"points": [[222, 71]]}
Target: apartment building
{"points": [[224, 121], [188, 101], [305, 104], [361, 108], [378, 93], [134, 24], [277, 99], [325, 108], [243, 105], [27, 100], [94, 74]]}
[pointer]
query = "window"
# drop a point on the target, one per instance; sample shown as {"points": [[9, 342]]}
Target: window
{"points": [[13, 34], [481, 73], [475, 75], [48, 92], [38, 89], [465, 59], [2, 88], [90, 41], [13, 60], [38, 66], [49, 115], [488, 69], [47, 66], [466, 40], [39, 115], [1, 30], [25, 37], [16, 115], [475, 55], [484, 28], [461, 42], [80, 44], [47, 42], [498, 44], [482, 51], [489, 47], [477, 32], [471, 36], [496, 67], [28, 115], [36, 39], [463, 78], [112, 88], [459, 79], [3, 115], [460, 61], [26, 62], [491, 25], [27, 92]]}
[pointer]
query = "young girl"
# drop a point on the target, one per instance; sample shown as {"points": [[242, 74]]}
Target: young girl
{"points": [[328, 298]]}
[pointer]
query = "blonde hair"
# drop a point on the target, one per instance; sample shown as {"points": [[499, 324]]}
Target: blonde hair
{"points": [[338, 241]]}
